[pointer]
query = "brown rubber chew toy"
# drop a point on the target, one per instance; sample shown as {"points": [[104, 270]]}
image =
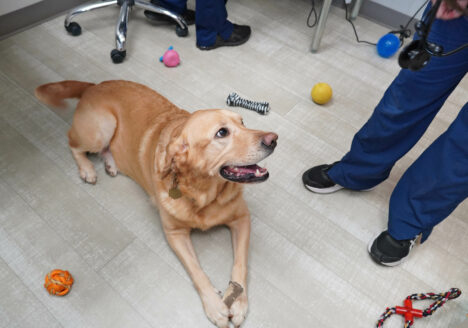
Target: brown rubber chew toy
{"points": [[233, 292], [58, 282]]}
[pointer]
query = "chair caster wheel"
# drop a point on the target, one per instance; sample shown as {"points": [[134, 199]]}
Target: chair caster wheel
{"points": [[118, 56], [181, 31], [73, 29]]}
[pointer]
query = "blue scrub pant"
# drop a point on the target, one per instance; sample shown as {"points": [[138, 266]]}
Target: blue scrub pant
{"points": [[210, 19], [437, 181]]}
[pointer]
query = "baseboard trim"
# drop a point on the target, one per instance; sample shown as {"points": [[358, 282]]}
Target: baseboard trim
{"points": [[380, 14], [37, 13]]}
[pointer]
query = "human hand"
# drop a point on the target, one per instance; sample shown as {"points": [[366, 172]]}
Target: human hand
{"points": [[445, 12]]}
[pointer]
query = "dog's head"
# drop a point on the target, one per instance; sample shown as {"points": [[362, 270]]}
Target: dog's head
{"points": [[216, 143]]}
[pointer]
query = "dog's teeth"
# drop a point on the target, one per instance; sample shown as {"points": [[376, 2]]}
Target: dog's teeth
{"points": [[257, 173]]}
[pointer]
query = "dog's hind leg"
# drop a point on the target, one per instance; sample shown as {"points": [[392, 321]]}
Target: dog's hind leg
{"points": [[91, 131], [85, 166], [109, 163]]}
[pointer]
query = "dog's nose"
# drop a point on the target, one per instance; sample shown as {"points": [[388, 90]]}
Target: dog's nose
{"points": [[269, 140]]}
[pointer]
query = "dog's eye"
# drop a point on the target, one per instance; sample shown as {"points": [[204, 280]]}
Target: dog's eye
{"points": [[242, 122], [223, 132]]}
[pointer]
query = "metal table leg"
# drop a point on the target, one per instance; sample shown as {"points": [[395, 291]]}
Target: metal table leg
{"points": [[356, 8], [320, 25]]}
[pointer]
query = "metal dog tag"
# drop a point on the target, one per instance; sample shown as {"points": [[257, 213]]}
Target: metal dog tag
{"points": [[175, 193]]}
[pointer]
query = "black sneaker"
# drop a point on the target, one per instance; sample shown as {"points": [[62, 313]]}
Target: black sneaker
{"points": [[188, 16], [386, 250], [317, 180], [240, 35]]}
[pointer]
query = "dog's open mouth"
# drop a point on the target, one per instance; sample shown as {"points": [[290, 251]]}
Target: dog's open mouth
{"points": [[244, 174]]}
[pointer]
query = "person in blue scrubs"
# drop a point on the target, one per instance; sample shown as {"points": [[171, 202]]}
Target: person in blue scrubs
{"points": [[210, 17], [437, 182]]}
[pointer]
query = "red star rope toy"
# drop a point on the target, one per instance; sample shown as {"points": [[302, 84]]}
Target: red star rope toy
{"points": [[409, 313]]}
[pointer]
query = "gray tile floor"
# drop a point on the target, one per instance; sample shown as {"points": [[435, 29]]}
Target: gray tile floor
{"points": [[308, 261]]}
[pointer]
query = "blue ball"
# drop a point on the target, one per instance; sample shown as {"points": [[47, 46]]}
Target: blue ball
{"points": [[388, 45]]}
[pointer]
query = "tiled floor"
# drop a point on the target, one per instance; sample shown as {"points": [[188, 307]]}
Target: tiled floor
{"points": [[308, 261]]}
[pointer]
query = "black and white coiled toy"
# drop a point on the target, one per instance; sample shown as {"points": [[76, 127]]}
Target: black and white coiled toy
{"points": [[260, 107]]}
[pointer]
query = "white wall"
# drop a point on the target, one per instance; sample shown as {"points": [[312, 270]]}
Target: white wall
{"points": [[7, 6], [406, 7]]}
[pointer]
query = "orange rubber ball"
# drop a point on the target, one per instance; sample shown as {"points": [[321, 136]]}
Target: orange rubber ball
{"points": [[58, 282]]}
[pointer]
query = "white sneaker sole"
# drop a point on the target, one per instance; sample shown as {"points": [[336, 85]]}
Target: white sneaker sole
{"points": [[331, 189], [328, 190]]}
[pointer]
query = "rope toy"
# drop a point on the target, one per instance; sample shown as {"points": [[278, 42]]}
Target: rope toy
{"points": [[409, 313], [260, 107], [58, 282]]}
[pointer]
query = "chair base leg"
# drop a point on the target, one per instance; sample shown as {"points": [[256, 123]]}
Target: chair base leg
{"points": [[74, 28], [121, 28], [181, 27], [119, 53]]}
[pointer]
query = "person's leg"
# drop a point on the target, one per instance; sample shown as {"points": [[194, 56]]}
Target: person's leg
{"points": [[433, 186], [405, 112], [211, 21]]}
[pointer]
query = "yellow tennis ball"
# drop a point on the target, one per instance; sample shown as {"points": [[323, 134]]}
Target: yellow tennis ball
{"points": [[321, 93]]}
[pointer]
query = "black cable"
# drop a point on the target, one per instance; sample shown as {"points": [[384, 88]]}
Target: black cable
{"points": [[354, 28], [312, 10], [448, 53], [412, 17], [404, 31]]}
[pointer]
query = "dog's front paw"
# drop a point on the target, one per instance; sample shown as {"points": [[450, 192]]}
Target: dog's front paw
{"points": [[238, 309], [216, 310]]}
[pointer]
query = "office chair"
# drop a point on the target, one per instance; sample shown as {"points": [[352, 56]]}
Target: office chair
{"points": [[118, 54]]}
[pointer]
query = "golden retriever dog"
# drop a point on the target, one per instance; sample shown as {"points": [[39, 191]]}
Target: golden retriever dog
{"points": [[191, 165]]}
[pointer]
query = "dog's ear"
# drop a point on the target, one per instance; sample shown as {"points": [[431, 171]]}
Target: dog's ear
{"points": [[174, 155]]}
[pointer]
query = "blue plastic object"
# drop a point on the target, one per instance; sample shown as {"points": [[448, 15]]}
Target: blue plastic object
{"points": [[388, 45]]}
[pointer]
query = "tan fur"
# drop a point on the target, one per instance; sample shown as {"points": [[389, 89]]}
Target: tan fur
{"points": [[146, 137], [53, 94]]}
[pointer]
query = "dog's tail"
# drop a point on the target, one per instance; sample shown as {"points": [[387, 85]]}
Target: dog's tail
{"points": [[53, 94]]}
